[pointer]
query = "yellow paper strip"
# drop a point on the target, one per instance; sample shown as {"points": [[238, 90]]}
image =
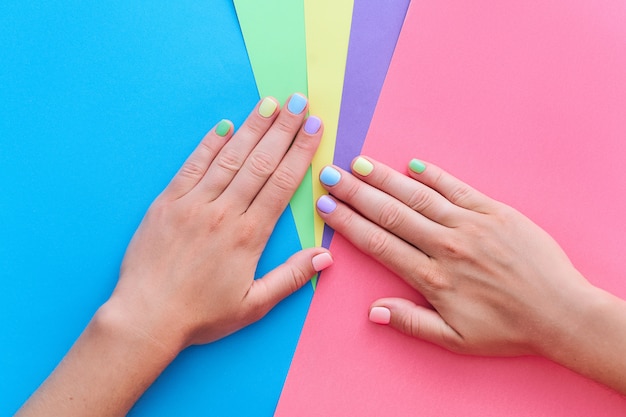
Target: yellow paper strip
{"points": [[327, 24]]}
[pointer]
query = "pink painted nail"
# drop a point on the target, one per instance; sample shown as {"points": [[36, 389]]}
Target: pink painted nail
{"points": [[322, 261], [380, 315]]}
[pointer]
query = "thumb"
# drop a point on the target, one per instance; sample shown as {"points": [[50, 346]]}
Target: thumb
{"points": [[287, 278], [415, 320]]}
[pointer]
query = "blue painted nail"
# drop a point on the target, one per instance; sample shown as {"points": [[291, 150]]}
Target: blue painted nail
{"points": [[325, 204], [312, 125], [296, 104], [330, 176]]}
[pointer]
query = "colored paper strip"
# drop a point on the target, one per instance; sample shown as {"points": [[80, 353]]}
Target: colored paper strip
{"points": [[273, 31], [524, 101], [369, 55], [327, 24]]}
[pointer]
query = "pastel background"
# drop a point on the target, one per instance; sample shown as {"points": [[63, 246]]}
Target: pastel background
{"points": [[100, 104]]}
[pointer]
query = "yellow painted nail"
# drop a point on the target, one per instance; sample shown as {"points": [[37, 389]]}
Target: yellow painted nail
{"points": [[362, 166], [267, 107]]}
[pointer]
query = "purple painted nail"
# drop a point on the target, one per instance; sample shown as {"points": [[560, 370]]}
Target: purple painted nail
{"points": [[325, 204], [312, 125]]}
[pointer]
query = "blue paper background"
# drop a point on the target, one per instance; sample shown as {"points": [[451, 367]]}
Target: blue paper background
{"points": [[100, 103]]}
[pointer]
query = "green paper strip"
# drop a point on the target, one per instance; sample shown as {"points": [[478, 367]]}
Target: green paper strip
{"points": [[274, 34]]}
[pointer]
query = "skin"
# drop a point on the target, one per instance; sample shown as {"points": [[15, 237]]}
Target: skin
{"points": [[188, 274], [498, 284]]}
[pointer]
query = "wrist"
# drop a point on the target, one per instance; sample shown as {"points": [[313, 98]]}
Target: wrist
{"points": [[590, 336], [146, 332]]}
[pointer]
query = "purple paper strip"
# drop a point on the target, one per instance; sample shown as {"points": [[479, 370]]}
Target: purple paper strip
{"points": [[375, 29]]}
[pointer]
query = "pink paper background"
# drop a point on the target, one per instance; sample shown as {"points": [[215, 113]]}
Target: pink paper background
{"points": [[527, 102]]}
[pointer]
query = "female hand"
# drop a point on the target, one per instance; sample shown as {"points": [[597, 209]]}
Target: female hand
{"points": [[498, 284], [188, 274]]}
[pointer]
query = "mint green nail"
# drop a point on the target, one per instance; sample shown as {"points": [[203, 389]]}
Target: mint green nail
{"points": [[222, 128], [417, 166]]}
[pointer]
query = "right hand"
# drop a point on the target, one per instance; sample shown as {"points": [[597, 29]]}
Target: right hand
{"points": [[498, 284]]}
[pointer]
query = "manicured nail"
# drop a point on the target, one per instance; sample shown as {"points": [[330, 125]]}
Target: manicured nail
{"points": [[267, 107], [417, 166], [223, 127], [380, 315], [330, 176], [325, 204], [322, 261], [296, 104], [362, 166], [312, 125]]}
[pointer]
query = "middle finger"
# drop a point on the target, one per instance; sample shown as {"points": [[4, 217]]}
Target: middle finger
{"points": [[383, 209]]}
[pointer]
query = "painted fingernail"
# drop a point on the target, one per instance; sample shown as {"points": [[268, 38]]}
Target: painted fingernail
{"points": [[325, 204], [330, 176], [417, 166], [362, 166], [380, 315], [312, 125], [223, 127], [296, 104], [267, 107], [321, 261]]}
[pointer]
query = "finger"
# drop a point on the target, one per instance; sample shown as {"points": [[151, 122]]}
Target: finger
{"points": [[276, 193], [455, 190], [286, 279], [231, 157], [199, 161], [416, 321], [382, 209], [413, 265], [415, 195], [267, 155]]}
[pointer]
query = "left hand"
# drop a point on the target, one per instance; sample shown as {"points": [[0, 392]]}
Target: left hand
{"points": [[188, 274]]}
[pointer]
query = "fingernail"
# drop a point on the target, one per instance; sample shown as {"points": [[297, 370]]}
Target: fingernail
{"points": [[380, 315], [322, 261], [296, 104], [330, 176], [325, 204], [267, 107], [417, 166], [362, 166], [312, 125], [223, 127]]}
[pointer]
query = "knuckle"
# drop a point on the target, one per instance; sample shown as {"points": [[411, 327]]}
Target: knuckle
{"points": [[298, 276], [459, 194], [285, 125], [419, 200], [390, 215], [284, 179], [433, 280], [229, 160], [451, 247], [351, 190], [262, 163], [303, 146], [191, 169], [247, 234], [411, 325], [385, 179], [257, 126], [377, 243]]}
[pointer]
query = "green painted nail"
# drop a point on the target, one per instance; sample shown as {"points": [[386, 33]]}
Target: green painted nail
{"points": [[222, 128], [417, 166], [362, 166], [267, 107]]}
